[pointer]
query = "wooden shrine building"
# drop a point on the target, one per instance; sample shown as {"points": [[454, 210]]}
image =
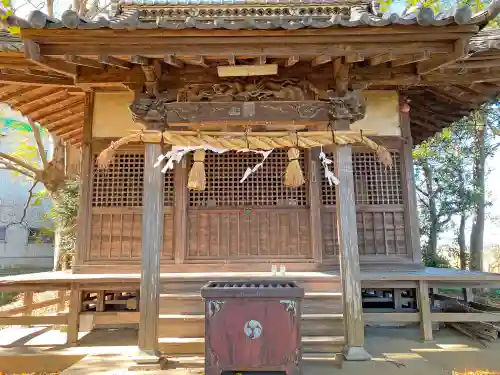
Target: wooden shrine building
{"points": [[337, 91]]}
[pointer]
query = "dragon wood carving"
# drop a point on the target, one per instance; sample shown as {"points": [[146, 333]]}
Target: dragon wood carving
{"points": [[250, 99], [250, 89]]}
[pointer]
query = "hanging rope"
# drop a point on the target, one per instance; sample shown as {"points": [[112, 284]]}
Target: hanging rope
{"points": [[197, 179], [293, 173]]}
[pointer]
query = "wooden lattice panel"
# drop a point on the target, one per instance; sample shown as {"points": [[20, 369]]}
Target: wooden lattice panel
{"points": [[264, 188], [374, 183], [121, 183]]}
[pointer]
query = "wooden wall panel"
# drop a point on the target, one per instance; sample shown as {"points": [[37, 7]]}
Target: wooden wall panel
{"points": [[253, 233], [380, 232], [117, 235]]}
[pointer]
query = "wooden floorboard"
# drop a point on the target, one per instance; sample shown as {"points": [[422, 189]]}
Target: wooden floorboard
{"points": [[58, 280]]}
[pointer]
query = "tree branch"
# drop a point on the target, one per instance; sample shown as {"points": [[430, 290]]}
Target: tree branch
{"points": [[15, 160], [28, 201], [39, 144], [13, 168]]}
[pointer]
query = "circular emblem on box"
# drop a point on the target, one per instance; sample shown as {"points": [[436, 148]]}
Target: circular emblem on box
{"points": [[253, 329]]}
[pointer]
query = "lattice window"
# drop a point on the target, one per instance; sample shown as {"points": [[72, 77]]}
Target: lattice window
{"points": [[168, 187], [121, 183], [373, 182], [262, 188]]}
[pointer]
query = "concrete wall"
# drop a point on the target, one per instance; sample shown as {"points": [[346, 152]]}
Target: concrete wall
{"points": [[15, 250]]}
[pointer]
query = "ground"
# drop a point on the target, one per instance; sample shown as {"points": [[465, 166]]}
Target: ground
{"points": [[396, 351]]}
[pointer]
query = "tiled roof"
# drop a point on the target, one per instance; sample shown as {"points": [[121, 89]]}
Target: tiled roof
{"points": [[359, 16], [485, 40]]}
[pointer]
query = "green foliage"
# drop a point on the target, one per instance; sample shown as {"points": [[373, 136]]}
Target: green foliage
{"points": [[64, 212], [6, 11], [435, 260], [447, 186]]}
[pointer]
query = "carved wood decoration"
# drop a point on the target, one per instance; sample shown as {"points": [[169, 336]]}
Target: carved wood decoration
{"points": [[283, 104]]}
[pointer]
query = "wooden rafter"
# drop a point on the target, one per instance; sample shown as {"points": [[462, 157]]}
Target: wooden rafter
{"points": [[381, 59], [23, 79], [460, 50], [55, 125], [409, 59], [320, 60], [113, 61], [173, 61], [6, 96], [40, 114], [32, 53], [84, 61], [61, 114], [43, 102]]}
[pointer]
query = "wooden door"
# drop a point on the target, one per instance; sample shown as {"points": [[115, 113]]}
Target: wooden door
{"points": [[256, 219]]}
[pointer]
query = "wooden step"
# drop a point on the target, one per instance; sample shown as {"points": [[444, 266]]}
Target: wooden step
{"points": [[196, 345], [191, 303], [186, 326], [310, 284]]}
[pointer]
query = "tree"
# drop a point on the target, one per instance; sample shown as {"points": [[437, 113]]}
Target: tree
{"points": [[61, 187]]}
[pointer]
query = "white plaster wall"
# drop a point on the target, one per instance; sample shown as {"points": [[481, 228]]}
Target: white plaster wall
{"points": [[15, 251]]}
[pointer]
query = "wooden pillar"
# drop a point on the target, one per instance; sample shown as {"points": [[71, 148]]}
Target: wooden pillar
{"points": [[85, 203], [424, 307], [349, 256], [412, 232], [180, 210], [75, 306], [314, 184], [152, 242]]}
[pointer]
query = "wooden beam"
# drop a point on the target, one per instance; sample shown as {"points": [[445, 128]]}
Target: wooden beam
{"points": [[314, 185], [32, 53], [110, 77], [380, 59], [291, 61], [42, 102], [33, 320], [73, 319], [349, 256], [391, 317], [412, 231], [23, 79], [113, 61], [276, 49], [152, 244], [337, 65], [247, 70], [84, 217], [320, 60], [409, 59], [342, 79], [180, 211], [173, 61], [465, 317], [424, 306], [85, 61], [59, 115], [460, 50]]}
